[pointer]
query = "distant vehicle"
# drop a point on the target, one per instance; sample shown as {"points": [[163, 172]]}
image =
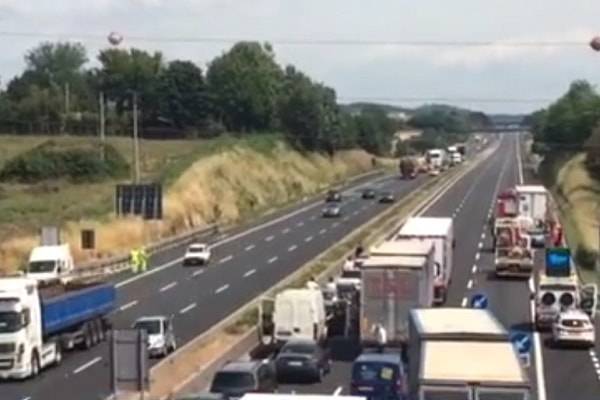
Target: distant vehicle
{"points": [[573, 327], [379, 376], [455, 158], [408, 168], [161, 336], [38, 324], [538, 237], [197, 254], [333, 196], [386, 197], [436, 158], [302, 357], [237, 378], [369, 193], [48, 264], [332, 210], [434, 172]]}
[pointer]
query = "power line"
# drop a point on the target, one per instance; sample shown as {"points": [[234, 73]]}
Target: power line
{"points": [[446, 99], [298, 41]]}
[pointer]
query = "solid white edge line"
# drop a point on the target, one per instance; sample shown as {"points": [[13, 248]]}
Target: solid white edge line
{"points": [[87, 365], [128, 305]]}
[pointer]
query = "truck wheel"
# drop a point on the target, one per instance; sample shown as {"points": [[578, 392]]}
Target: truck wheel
{"points": [[35, 365], [101, 333], [87, 339]]}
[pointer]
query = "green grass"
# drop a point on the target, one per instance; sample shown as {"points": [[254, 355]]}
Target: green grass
{"points": [[24, 208]]}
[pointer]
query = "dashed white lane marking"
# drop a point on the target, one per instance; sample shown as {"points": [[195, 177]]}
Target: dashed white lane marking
{"points": [[474, 269], [272, 260], [128, 305], [286, 230], [482, 235], [26, 398], [87, 365], [300, 224], [338, 391], [269, 238], [222, 289], [454, 214], [477, 256], [292, 247], [345, 219], [249, 273], [225, 259], [531, 286], [249, 247], [470, 284], [322, 231], [464, 302], [308, 239], [355, 212], [335, 224], [187, 308], [313, 217], [167, 287], [199, 272], [480, 245]]}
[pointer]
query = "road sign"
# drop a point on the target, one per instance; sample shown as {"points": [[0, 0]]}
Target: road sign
{"points": [[522, 342], [479, 300]]}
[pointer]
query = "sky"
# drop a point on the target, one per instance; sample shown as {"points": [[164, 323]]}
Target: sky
{"points": [[497, 78]]}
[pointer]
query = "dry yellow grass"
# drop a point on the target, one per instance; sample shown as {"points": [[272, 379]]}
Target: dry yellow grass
{"points": [[582, 200], [221, 187]]}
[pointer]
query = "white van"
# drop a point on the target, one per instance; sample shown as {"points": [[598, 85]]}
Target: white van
{"points": [[50, 263], [299, 314]]}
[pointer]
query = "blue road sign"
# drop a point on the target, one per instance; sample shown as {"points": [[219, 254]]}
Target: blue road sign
{"points": [[521, 341], [479, 300]]}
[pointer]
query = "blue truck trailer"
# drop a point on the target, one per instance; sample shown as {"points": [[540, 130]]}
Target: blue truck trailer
{"points": [[37, 324]]}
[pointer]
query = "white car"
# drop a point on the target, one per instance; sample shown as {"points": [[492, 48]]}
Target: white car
{"points": [[573, 327], [161, 337], [197, 254]]}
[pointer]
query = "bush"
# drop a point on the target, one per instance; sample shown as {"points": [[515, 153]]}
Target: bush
{"points": [[78, 163], [586, 258]]}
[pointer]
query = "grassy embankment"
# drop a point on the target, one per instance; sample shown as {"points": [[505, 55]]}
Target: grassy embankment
{"points": [[578, 199], [224, 179]]}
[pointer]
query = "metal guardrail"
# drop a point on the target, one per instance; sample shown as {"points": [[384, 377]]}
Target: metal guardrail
{"points": [[117, 264]]}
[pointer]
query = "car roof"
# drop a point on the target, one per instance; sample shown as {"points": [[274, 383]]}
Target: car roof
{"points": [[240, 366], [380, 357]]}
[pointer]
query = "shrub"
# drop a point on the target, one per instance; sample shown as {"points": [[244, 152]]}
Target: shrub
{"points": [[80, 163]]}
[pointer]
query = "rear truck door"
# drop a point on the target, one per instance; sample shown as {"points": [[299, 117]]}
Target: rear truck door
{"points": [[589, 299], [266, 325]]}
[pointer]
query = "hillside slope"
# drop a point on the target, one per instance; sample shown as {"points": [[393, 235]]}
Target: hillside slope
{"points": [[225, 187]]}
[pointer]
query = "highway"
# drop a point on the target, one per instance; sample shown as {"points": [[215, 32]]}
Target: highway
{"points": [[566, 374], [244, 264]]}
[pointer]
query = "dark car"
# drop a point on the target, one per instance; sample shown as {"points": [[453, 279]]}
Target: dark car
{"points": [[386, 197], [538, 238], [368, 194], [302, 358], [332, 210], [333, 196], [379, 376], [237, 378]]}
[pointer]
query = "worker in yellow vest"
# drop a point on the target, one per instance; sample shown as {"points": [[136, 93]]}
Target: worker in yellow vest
{"points": [[134, 260], [143, 257]]}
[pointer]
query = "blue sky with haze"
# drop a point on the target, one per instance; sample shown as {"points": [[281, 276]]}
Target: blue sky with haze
{"points": [[467, 75]]}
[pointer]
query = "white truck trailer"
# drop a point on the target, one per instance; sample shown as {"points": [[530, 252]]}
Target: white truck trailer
{"points": [[533, 202], [469, 370], [441, 232], [391, 286]]}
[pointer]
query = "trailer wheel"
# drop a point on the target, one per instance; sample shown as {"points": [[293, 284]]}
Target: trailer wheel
{"points": [[35, 364], [87, 337]]}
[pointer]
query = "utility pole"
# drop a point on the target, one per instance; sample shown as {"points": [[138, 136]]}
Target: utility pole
{"points": [[136, 145], [102, 126], [67, 99]]}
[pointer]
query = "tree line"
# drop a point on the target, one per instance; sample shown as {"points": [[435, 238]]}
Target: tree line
{"points": [[243, 90]]}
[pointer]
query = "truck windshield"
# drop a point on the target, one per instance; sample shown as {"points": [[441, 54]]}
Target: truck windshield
{"points": [[41, 266], [10, 321], [151, 327]]}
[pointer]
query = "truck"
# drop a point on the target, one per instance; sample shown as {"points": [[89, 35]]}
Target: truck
{"points": [[468, 369], [50, 264], [37, 324], [436, 158], [533, 202], [449, 324], [441, 232], [513, 255], [408, 168], [391, 286], [462, 149]]}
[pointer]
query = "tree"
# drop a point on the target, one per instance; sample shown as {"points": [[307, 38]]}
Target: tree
{"points": [[244, 85], [56, 63], [182, 94], [375, 130]]}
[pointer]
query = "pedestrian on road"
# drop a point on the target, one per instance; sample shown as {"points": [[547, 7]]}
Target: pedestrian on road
{"points": [[143, 256]]}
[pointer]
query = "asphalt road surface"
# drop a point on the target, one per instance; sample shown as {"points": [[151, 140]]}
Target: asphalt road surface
{"points": [[565, 373], [244, 264]]}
